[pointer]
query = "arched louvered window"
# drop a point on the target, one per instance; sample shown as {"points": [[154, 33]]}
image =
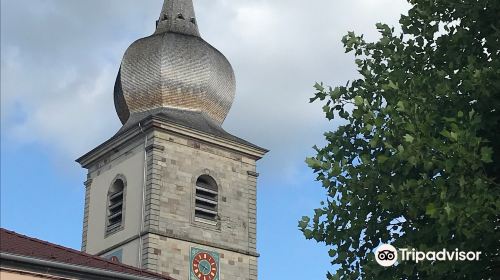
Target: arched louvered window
{"points": [[115, 206], [207, 197]]}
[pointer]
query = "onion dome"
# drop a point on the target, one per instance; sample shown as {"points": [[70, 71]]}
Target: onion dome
{"points": [[174, 69]]}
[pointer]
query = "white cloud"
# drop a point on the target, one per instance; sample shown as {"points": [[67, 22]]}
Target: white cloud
{"points": [[75, 118], [60, 58]]}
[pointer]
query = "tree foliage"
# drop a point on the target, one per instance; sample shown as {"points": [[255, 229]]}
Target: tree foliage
{"points": [[417, 162]]}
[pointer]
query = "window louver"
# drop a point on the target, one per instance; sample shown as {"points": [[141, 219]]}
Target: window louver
{"points": [[115, 206], [206, 204]]}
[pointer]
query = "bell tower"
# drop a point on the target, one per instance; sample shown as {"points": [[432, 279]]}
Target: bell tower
{"points": [[172, 191]]}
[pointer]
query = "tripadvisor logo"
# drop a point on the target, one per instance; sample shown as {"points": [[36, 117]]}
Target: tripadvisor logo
{"points": [[387, 255]]}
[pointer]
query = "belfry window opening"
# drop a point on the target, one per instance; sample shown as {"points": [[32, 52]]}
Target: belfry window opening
{"points": [[115, 206], [206, 200]]}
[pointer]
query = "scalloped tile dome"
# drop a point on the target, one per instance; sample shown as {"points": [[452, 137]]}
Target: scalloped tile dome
{"points": [[175, 68]]}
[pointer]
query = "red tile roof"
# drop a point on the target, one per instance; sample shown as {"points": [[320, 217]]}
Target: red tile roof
{"points": [[16, 244]]}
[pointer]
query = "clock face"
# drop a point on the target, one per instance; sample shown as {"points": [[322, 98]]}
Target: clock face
{"points": [[204, 265]]}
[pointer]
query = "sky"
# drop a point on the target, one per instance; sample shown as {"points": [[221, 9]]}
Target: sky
{"points": [[59, 60]]}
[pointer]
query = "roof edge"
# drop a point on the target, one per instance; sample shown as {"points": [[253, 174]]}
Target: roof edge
{"points": [[8, 236], [73, 267], [157, 121]]}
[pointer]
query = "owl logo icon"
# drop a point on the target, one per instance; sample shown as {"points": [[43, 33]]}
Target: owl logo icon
{"points": [[386, 255]]}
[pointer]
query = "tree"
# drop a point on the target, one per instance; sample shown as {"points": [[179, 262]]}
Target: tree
{"points": [[417, 162]]}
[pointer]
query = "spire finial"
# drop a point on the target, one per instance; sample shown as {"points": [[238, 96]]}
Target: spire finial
{"points": [[177, 16]]}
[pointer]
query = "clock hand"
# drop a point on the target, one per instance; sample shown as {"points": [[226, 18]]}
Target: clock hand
{"points": [[204, 267]]}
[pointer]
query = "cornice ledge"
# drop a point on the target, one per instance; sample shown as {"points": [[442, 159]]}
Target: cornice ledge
{"points": [[109, 145], [166, 125], [253, 174]]}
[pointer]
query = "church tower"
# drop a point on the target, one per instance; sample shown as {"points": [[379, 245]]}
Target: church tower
{"points": [[171, 191]]}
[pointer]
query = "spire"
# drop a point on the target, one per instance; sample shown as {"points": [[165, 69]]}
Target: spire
{"points": [[177, 16]]}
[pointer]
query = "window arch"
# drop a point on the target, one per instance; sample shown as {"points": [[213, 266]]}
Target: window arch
{"points": [[206, 199], [115, 211]]}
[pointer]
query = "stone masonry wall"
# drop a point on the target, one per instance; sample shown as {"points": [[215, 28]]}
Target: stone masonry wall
{"points": [[174, 164], [173, 260]]}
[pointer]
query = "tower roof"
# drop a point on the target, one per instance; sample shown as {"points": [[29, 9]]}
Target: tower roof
{"points": [[177, 16], [175, 69]]}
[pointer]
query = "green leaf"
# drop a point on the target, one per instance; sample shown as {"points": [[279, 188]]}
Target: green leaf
{"points": [[401, 106], [358, 100], [365, 158], [392, 85], [319, 87], [431, 209], [344, 114], [486, 154], [385, 41], [314, 163], [332, 253], [382, 158], [408, 138], [336, 170], [401, 149], [304, 223], [448, 209], [454, 136], [335, 94], [308, 233], [335, 277]]}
